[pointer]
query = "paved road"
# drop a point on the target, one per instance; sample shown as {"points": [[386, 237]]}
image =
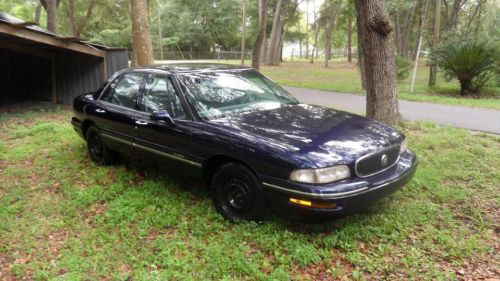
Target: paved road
{"points": [[477, 119]]}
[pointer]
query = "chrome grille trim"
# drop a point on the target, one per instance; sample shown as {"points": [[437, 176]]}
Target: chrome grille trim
{"points": [[373, 153]]}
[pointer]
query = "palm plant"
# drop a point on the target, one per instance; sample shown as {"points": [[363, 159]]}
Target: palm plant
{"points": [[472, 63]]}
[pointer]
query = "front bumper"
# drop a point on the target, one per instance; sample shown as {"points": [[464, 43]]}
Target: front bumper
{"points": [[344, 196]]}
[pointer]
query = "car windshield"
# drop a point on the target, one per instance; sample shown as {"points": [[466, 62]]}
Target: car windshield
{"points": [[221, 94]]}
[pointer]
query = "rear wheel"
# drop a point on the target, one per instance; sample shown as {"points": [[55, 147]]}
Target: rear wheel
{"points": [[98, 151], [238, 194]]}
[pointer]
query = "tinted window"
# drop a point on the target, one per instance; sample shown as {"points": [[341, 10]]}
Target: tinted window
{"points": [[123, 91], [159, 94]]}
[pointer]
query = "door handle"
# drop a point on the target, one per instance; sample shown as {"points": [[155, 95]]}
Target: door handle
{"points": [[142, 123], [100, 110]]}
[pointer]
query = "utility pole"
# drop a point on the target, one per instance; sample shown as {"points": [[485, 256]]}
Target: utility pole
{"points": [[243, 32]]}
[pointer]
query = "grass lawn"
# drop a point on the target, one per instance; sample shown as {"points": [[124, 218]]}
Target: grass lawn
{"points": [[62, 217], [345, 77]]}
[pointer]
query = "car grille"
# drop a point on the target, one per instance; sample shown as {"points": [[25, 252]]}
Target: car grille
{"points": [[376, 162]]}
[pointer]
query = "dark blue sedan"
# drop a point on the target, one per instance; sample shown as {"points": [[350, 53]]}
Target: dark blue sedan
{"points": [[257, 147]]}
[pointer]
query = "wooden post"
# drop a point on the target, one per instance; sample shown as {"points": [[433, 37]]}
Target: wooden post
{"points": [[54, 81]]}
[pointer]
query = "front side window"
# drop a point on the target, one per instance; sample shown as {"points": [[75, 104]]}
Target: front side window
{"points": [[124, 90], [219, 94], [159, 94]]}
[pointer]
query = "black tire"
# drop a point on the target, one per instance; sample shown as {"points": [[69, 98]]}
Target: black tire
{"points": [[238, 194], [98, 151]]}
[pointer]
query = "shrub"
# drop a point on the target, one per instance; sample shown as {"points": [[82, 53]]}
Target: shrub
{"points": [[472, 63], [403, 67]]}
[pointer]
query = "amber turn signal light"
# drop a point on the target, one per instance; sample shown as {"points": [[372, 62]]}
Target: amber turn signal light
{"points": [[316, 205]]}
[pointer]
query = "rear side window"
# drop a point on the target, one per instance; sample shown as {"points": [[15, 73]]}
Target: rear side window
{"points": [[124, 90]]}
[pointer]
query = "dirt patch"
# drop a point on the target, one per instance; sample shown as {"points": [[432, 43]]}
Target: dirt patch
{"points": [[338, 267], [5, 268]]}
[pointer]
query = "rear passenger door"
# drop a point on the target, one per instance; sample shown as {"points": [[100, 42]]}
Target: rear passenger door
{"points": [[158, 137], [117, 110]]}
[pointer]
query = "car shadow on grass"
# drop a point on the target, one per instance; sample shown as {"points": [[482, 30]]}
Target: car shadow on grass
{"points": [[188, 179]]}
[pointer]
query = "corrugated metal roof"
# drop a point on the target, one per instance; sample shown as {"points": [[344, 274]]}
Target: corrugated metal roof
{"points": [[32, 26]]}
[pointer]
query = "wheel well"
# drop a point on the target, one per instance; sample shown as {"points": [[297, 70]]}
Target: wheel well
{"points": [[86, 124], [210, 166]]}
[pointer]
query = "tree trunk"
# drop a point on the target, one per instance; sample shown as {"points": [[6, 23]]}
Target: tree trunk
{"points": [[143, 45], [52, 15], [315, 43], [274, 40], [257, 51], [307, 29], [421, 24], [160, 31], [38, 12], [421, 27], [300, 40], [407, 28], [349, 38], [397, 23], [328, 42], [361, 60], [76, 22], [435, 41], [243, 31], [380, 67], [275, 60]]}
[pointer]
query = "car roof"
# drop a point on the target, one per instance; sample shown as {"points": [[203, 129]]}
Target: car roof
{"points": [[175, 68]]}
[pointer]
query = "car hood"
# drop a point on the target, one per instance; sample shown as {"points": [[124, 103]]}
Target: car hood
{"points": [[323, 135]]}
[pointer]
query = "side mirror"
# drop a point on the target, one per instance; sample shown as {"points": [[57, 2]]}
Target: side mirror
{"points": [[162, 115]]}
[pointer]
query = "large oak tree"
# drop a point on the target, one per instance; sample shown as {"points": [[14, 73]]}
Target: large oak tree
{"points": [[141, 36], [379, 61]]}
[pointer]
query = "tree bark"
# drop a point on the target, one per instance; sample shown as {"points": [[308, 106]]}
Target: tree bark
{"points": [[361, 60], [38, 12], [349, 38], [52, 15], [435, 41], [244, 28], [316, 33], [397, 23], [307, 29], [380, 67], [275, 60], [160, 31], [78, 24], [407, 28], [143, 45], [421, 24], [421, 27], [452, 15], [300, 39], [330, 26], [328, 42], [257, 51], [274, 33]]}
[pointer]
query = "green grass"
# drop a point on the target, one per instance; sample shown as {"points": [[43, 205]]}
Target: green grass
{"points": [[63, 217], [344, 77]]}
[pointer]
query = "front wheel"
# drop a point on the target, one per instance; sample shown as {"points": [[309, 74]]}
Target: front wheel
{"points": [[238, 194], [98, 151]]}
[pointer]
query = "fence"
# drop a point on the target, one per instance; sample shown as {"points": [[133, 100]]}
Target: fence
{"points": [[200, 55]]}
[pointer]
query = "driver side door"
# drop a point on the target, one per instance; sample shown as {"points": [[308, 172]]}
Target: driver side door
{"points": [[171, 141]]}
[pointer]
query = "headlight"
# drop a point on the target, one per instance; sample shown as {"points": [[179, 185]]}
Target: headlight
{"points": [[323, 175], [403, 147]]}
